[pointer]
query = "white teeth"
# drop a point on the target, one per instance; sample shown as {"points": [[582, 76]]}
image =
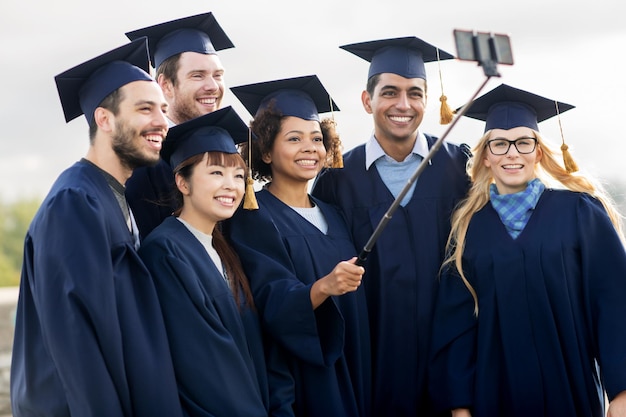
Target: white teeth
{"points": [[306, 162], [402, 119], [512, 166], [208, 100], [227, 200], [154, 138]]}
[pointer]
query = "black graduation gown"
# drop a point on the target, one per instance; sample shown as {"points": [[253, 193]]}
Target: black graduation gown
{"points": [[89, 335], [401, 271], [551, 305], [150, 193], [329, 353], [217, 350]]}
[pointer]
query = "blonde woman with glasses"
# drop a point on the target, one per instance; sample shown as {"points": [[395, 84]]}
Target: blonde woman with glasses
{"points": [[529, 319]]}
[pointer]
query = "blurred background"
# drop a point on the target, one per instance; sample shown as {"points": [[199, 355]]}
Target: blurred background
{"points": [[569, 51]]}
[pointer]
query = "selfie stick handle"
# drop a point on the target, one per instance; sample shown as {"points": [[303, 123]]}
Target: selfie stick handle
{"points": [[422, 166], [489, 66]]}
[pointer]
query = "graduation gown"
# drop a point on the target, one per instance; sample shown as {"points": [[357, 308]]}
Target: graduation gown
{"points": [[284, 254], [150, 193], [89, 335], [551, 307], [401, 271], [217, 350]]}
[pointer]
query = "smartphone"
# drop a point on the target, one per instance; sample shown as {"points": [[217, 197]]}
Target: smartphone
{"points": [[483, 47]]}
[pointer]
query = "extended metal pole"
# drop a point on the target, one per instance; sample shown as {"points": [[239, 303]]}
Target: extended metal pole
{"points": [[422, 166]]}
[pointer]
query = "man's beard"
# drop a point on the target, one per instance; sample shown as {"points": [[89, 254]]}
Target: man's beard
{"points": [[185, 112], [126, 149]]}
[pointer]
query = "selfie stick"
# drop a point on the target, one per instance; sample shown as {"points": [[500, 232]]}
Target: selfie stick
{"points": [[489, 67]]}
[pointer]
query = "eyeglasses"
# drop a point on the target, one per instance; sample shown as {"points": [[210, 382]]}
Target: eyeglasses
{"points": [[501, 146]]}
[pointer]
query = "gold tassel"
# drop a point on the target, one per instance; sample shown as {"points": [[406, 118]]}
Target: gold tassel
{"points": [[337, 156], [249, 199], [568, 160], [570, 164], [445, 112]]}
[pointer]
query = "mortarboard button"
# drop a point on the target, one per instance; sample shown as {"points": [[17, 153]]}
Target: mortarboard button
{"points": [[83, 87], [200, 33]]}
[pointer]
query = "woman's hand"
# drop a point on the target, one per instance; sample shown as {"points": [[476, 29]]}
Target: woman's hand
{"points": [[461, 412], [617, 407], [344, 278]]}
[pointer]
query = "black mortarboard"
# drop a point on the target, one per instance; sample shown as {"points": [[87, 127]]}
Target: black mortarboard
{"points": [[303, 97], [200, 33], [506, 107], [402, 56], [83, 87], [218, 131]]}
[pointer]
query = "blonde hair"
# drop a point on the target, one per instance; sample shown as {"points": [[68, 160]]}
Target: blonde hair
{"points": [[548, 169]]}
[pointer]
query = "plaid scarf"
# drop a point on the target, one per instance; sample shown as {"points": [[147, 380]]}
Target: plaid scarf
{"points": [[515, 209]]}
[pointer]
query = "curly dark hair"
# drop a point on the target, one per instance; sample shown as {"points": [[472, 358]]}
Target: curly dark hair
{"points": [[266, 126]]}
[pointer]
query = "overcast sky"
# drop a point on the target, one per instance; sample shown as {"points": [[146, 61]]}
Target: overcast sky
{"points": [[562, 49]]}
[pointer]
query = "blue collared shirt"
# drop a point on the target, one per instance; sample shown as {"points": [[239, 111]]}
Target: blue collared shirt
{"points": [[395, 174]]}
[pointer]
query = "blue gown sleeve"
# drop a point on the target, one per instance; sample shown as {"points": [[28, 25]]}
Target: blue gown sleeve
{"points": [[604, 271], [281, 382], [206, 336], [91, 294], [283, 299], [149, 192], [452, 367]]}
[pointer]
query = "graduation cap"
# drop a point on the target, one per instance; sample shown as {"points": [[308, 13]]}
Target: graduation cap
{"points": [[200, 33], [218, 131], [83, 87], [506, 107], [405, 57], [402, 56], [303, 97]]}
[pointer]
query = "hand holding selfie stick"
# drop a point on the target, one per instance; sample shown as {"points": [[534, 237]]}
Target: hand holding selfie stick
{"points": [[470, 47]]}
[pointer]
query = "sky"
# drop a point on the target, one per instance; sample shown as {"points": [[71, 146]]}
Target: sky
{"points": [[564, 50]]}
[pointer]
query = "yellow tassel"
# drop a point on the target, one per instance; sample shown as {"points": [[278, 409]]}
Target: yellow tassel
{"points": [[249, 200], [570, 164], [446, 114], [568, 161]]}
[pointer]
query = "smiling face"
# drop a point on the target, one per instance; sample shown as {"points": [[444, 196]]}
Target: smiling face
{"points": [[213, 190], [199, 87], [513, 170], [140, 125], [298, 152], [398, 106]]}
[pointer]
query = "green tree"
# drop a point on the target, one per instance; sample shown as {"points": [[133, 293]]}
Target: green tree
{"points": [[14, 221]]}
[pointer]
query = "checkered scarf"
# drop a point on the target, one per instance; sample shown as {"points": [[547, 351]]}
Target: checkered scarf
{"points": [[515, 209]]}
